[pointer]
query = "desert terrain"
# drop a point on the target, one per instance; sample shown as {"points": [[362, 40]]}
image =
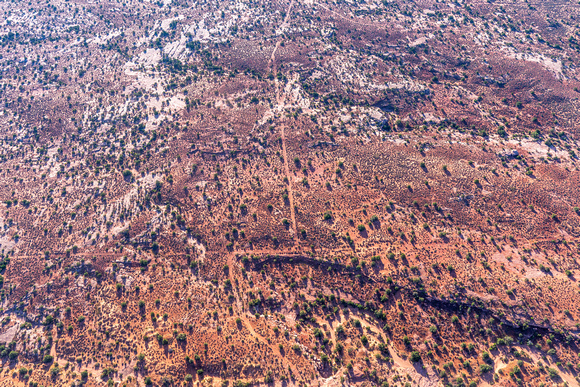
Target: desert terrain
{"points": [[289, 193]]}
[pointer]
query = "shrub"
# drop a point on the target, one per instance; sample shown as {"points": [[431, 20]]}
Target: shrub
{"points": [[415, 356], [485, 356], [47, 359]]}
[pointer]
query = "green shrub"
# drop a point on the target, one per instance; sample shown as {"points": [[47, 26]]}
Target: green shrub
{"points": [[415, 356], [47, 359]]}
